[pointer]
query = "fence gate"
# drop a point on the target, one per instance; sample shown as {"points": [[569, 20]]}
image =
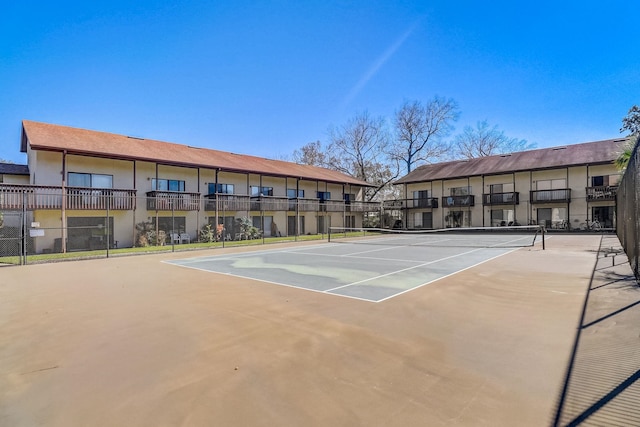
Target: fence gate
{"points": [[11, 236]]}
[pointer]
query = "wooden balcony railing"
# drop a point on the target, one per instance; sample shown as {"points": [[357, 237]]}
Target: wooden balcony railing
{"points": [[561, 195], [512, 198], [304, 205], [227, 202], [357, 206], [331, 206], [13, 196], [269, 203], [172, 200], [428, 202], [232, 202], [602, 192], [100, 199]]}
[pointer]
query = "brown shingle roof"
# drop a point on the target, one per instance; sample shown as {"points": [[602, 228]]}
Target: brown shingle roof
{"points": [[13, 169], [599, 152], [44, 136]]}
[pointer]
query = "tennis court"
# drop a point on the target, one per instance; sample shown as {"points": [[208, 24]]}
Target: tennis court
{"points": [[139, 341], [371, 265]]}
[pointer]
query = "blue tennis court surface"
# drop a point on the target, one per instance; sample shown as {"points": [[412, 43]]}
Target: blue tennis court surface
{"points": [[367, 272]]}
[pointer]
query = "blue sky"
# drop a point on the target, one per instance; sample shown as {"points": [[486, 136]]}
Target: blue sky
{"points": [[267, 77]]}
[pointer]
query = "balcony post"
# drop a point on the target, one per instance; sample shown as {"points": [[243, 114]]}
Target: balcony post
{"points": [[63, 207]]}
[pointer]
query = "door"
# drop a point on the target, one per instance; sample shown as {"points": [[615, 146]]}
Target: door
{"points": [[544, 217]]}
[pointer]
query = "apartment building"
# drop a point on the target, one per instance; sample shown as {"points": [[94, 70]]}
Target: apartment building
{"points": [[81, 181], [571, 187]]}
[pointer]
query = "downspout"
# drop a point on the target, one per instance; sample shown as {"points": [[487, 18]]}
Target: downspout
{"points": [[296, 230], [200, 207], [215, 194], [515, 199], [569, 199], [156, 203], [135, 203], [442, 198], [490, 206], [63, 206]]}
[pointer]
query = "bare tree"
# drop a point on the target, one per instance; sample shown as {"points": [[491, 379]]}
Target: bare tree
{"points": [[486, 141], [311, 154], [421, 129], [360, 149]]}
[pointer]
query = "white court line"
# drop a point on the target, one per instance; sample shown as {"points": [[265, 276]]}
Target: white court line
{"points": [[403, 270], [445, 276], [234, 256], [272, 282], [331, 291]]}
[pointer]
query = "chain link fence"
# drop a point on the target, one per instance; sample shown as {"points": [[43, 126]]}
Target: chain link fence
{"points": [[11, 236], [628, 202], [42, 223]]}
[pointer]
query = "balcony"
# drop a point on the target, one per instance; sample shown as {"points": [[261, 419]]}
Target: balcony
{"points": [[13, 196], [100, 199], [172, 200], [353, 206], [458, 201], [602, 193], [562, 195], [227, 202], [232, 202], [269, 203], [304, 205], [332, 205], [491, 199], [430, 202]]}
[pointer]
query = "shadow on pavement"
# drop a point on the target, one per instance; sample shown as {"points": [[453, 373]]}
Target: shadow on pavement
{"points": [[601, 386]]}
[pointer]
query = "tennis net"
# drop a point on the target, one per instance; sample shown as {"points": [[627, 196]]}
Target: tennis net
{"points": [[484, 237]]}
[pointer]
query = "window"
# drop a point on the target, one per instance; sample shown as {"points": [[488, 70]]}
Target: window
{"points": [[422, 198], [167, 185], [552, 217], [604, 180], [350, 221], [90, 180], [458, 219], [501, 188], [502, 217], [89, 233], [291, 193], [220, 188], [349, 197], [460, 191], [324, 195], [422, 220], [551, 184], [261, 191], [177, 224]]}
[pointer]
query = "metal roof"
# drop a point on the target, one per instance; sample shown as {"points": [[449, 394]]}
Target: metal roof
{"points": [[589, 153], [44, 136]]}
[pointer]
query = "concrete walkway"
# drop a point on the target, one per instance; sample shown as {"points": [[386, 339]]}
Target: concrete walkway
{"points": [[602, 386]]}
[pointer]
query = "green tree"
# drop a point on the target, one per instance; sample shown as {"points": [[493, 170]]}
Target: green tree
{"points": [[631, 124]]}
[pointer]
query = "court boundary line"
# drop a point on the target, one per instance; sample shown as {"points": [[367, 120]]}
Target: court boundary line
{"points": [[405, 269], [331, 291], [269, 282], [448, 275]]}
